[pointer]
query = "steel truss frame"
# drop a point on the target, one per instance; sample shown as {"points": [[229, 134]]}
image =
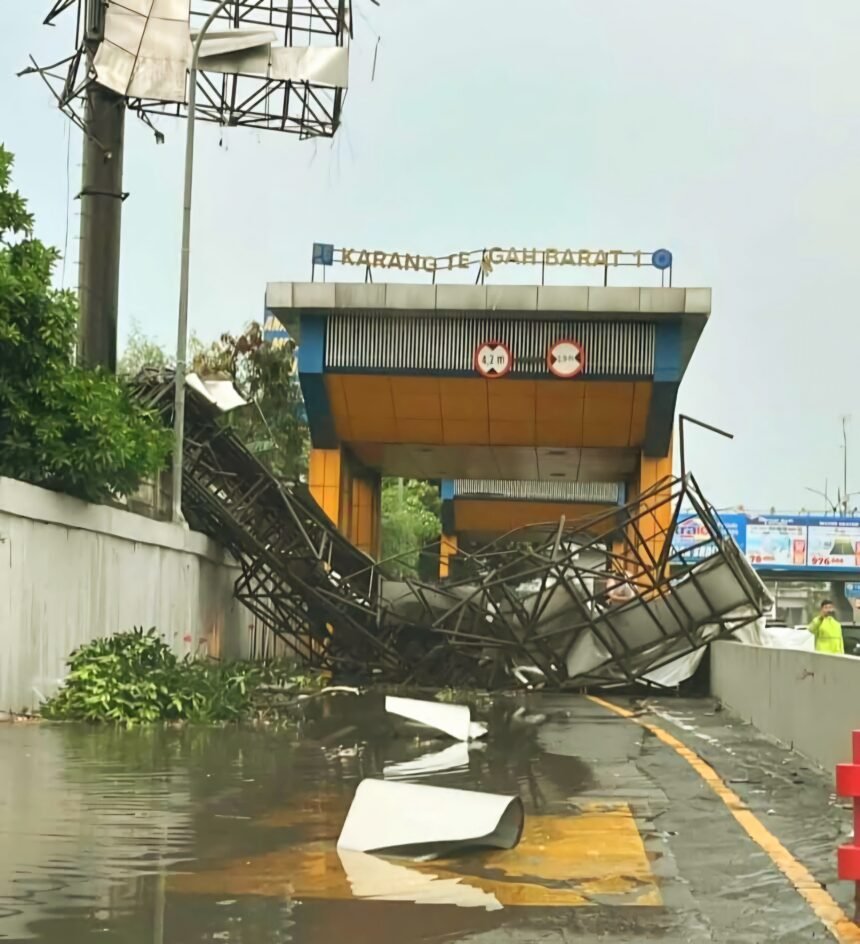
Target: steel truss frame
{"points": [[303, 108], [539, 609]]}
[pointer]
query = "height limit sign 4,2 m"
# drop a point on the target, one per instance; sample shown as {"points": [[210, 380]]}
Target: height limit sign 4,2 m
{"points": [[493, 359], [565, 358]]}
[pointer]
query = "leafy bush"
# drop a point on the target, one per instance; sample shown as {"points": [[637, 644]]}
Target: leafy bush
{"points": [[61, 425], [133, 677], [411, 512], [275, 425]]}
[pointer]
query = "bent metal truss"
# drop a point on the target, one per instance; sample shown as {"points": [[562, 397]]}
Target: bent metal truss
{"points": [[521, 611], [265, 64]]}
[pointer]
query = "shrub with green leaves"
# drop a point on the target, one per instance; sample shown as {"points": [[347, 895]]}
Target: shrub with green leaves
{"points": [[61, 425], [133, 677]]}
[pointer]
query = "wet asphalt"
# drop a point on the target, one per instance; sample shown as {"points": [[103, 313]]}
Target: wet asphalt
{"points": [[199, 835]]}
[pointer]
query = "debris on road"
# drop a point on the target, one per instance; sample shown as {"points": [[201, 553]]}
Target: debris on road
{"points": [[423, 822], [453, 720]]}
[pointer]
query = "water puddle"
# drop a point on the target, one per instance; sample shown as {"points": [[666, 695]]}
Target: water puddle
{"points": [[201, 835]]}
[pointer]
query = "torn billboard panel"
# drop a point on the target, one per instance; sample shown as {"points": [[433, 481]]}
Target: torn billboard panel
{"points": [[453, 720], [263, 63], [420, 821], [146, 49]]}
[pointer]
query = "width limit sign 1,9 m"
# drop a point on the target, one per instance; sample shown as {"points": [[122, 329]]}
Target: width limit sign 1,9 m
{"points": [[564, 358]]}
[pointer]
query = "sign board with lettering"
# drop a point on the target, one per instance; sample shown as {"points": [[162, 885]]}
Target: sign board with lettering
{"points": [[490, 258], [565, 358], [693, 541], [773, 543], [776, 544], [498, 255], [493, 359], [834, 545]]}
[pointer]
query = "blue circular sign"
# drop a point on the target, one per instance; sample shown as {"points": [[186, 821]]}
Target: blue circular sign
{"points": [[661, 258]]}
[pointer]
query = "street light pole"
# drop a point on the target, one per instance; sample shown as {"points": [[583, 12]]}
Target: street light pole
{"points": [[844, 466], [182, 329]]}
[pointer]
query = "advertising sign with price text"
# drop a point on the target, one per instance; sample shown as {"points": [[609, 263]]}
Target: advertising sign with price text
{"points": [[834, 544], [776, 543], [693, 541], [772, 543]]}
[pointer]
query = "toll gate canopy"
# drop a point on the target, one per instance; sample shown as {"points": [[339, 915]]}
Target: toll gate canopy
{"points": [[528, 402]]}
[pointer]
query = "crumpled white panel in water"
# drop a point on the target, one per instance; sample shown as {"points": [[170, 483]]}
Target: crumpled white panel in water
{"points": [[455, 757], [383, 880], [454, 720], [423, 822]]}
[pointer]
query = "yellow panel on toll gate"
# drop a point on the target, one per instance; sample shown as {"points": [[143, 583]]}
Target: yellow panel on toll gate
{"points": [[475, 411]]}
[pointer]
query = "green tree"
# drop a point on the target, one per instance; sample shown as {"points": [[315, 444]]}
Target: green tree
{"points": [[141, 351], [61, 425], [274, 426], [411, 512]]}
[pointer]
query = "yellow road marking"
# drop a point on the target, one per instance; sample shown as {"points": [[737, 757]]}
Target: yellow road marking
{"points": [[843, 929], [594, 856]]}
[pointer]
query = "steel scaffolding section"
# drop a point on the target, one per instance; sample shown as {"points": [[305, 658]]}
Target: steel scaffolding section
{"points": [[539, 610]]}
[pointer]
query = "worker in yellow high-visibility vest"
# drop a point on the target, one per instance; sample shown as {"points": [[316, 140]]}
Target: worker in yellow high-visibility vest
{"points": [[827, 630]]}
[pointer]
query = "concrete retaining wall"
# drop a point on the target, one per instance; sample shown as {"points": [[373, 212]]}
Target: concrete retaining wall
{"points": [[71, 571], [808, 700]]}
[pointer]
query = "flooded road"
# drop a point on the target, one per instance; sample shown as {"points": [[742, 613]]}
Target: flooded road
{"points": [[193, 835]]}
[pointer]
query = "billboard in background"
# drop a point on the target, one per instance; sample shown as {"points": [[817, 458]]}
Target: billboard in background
{"points": [[774, 542], [779, 542], [694, 541], [834, 543], [274, 332]]}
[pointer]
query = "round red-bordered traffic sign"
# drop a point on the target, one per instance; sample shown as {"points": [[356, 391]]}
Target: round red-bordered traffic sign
{"points": [[565, 358], [493, 359]]}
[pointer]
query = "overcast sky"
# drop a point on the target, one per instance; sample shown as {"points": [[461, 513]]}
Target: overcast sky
{"points": [[729, 133]]}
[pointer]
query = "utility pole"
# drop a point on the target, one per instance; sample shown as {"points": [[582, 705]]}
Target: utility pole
{"points": [[844, 466], [829, 507], [185, 272], [101, 199]]}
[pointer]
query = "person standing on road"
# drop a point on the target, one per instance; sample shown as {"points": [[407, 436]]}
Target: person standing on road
{"points": [[827, 630]]}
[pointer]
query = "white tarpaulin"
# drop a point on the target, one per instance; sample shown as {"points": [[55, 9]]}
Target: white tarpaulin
{"points": [[454, 720], [420, 821], [221, 42], [220, 393], [755, 634], [776, 637], [146, 49], [319, 65]]}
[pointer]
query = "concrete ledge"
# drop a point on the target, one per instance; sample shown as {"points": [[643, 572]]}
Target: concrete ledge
{"points": [[71, 572], [597, 301], [810, 701], [40, 504]]}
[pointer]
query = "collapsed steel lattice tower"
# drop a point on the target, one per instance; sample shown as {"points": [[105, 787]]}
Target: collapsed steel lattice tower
{"points": [[265, 64], [523, 612]]}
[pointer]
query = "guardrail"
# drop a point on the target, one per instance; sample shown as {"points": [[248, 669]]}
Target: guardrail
{"points": [[848, 785]]}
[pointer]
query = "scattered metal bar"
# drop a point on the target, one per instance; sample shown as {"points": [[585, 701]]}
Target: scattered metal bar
{"points": [[538, 606]]}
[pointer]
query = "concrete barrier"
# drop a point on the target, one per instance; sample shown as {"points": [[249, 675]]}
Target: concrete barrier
{"points": [[809, 701], [71, 571]]}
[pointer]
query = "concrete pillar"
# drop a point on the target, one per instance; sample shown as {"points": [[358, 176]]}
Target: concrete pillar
{"points": [[447, 549], [655, 511], [350, 495], [101, 220], [324, 480]]}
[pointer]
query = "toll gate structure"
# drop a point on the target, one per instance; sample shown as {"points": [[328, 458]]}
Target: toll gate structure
{"points": [[530, 403]]}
